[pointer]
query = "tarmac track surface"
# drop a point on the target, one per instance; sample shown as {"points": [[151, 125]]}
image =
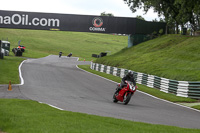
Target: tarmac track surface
{"points": [[58, 82]]}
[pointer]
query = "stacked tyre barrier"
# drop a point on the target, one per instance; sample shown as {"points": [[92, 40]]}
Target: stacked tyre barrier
{"points": [[189, 89]]}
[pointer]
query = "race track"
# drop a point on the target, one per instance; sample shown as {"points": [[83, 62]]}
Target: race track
{"points": [[58, 82]]}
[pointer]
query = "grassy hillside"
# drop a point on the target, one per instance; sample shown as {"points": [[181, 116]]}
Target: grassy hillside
{"points": [[171, 56], [40, 43]]}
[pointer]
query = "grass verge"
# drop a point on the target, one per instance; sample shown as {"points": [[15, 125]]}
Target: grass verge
{"points": [[22, 116], [9, 69], [196, 107]]}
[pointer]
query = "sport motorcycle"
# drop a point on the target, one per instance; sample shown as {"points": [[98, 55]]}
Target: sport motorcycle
{"points": [[125, 94]]}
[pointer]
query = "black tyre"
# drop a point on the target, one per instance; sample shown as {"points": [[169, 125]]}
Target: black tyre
{"points": [[127, 98], [114, 98], [23, 50], [1, 55]]}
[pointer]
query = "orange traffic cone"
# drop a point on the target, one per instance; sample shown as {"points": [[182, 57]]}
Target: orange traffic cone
{"points": [[9, 86], [84, 59]]}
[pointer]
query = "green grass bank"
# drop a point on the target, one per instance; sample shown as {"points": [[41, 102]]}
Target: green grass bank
{"points": [[174, 57], [41, 43]]}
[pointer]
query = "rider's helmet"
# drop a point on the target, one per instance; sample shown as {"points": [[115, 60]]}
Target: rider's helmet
{"points": [[130, 74]]}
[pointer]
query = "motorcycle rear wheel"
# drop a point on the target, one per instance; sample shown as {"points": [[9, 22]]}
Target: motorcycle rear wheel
{"points": [[127, 98]]}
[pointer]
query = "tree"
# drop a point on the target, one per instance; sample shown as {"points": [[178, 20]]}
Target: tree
{"points": [[161, 20], [106, 14], [167, 8], [140, 17], [190, 13], [176, 12]]}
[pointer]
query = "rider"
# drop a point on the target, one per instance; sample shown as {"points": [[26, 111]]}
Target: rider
{"points": [[70, 54], [128, 77], [60, 54]]}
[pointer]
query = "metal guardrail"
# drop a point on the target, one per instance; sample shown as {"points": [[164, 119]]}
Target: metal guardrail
{"points": [[180, 88]]}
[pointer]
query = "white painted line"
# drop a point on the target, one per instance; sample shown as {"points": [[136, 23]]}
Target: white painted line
{"points": [[55, 107], [51, 106], [143, 92], [20, 73], [169, 101]]}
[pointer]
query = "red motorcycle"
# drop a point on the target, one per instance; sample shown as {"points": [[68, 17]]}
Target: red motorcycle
{"points": [[125, 94]]}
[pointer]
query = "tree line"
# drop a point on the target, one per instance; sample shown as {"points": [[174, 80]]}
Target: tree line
{"points": [[177, 13]]}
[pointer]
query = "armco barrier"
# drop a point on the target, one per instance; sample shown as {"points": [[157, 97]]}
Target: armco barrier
{"points": [[179, 88]]}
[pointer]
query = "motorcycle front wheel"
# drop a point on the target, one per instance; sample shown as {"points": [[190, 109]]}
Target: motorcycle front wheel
{"points": [[114, 97], [127, 98]]}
